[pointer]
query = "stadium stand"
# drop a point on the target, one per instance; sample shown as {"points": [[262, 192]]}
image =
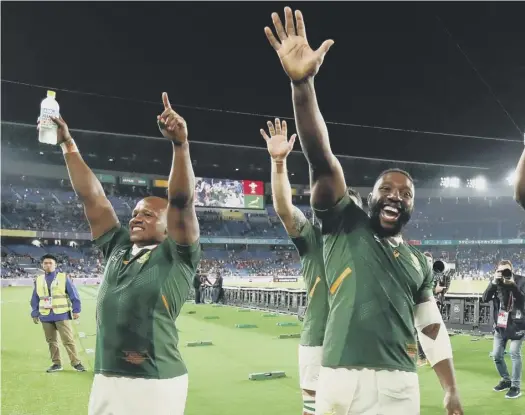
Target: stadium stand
{"points": [[471, 230]]}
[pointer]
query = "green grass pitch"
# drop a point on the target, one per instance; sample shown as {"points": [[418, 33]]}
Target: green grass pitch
{"points": [[218, 375]]}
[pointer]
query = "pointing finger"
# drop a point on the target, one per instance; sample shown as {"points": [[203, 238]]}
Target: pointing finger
{"points": [[284, 128], [165, 100]]}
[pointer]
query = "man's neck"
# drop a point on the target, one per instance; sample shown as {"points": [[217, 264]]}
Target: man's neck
{"points": [[136, 248]]}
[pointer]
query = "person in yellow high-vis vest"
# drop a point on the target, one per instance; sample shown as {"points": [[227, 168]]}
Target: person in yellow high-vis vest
{"points": [[54, 303]]}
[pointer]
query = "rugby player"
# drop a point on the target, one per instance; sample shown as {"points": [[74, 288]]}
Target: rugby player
{"points": [[307, 239], [380, 286], [149, 268]]}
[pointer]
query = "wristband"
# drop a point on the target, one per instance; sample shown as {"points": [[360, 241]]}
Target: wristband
{"points": [[69, 146]]}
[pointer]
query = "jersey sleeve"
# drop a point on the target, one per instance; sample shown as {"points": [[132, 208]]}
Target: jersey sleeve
{"points": [[190, 255], [114, 238], [427, 288], [344, 210], [306, 241]]}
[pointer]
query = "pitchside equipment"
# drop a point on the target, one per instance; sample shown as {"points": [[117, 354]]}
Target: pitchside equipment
{"points": [[266, 376], [201, 343]]}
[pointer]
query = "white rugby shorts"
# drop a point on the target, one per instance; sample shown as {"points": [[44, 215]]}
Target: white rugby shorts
{"points": [[309, 366], [136, 396], [367, 392]]}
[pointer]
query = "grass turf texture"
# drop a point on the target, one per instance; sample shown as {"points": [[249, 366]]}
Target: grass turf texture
{"points": [[219, 374]]}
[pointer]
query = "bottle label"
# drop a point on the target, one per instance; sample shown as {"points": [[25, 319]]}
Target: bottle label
{"points": [[45, 120]]}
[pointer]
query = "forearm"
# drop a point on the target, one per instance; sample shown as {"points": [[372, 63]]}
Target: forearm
{"points": [[281, 190], [446, 375], [181, 184], [311, 126], [519, 187], [34, 304], [84, 182], [489, 293]]}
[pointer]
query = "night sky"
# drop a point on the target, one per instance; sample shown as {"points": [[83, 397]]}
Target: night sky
{"points": [[392, 65]]}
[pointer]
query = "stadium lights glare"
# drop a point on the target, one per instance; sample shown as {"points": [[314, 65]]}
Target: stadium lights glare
{"points": [[452, 182], [511, 178], [479, 183]]}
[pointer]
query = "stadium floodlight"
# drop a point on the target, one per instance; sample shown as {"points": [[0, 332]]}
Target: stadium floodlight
{"points": [[511, 178], [479, 183], [452, 182]]}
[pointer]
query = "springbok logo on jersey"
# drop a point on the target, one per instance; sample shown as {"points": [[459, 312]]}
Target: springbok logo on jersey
{"points": [[253, 186]]}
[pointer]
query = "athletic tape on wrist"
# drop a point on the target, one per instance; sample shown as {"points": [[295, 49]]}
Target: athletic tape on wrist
{"points": [[69, 146], [426, 314]]}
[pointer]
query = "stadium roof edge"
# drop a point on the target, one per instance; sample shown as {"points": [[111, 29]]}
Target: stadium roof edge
{"points": [[348, 157]]}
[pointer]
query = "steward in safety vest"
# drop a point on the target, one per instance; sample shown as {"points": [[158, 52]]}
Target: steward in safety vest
{"points": [[54, 303]]}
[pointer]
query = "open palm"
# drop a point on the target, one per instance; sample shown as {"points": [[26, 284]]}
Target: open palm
{"points": [[278, 145], [299, 60]]}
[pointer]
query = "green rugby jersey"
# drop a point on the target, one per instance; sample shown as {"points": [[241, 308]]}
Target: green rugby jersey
{"points": [[138, 302], [310, 248], [373, 287]]}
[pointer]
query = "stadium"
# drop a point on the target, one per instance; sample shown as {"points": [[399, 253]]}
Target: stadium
{"points": [[465, 215]]}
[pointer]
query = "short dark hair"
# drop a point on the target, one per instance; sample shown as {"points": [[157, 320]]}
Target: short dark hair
{"points": [[49, 256], [395, 170]]}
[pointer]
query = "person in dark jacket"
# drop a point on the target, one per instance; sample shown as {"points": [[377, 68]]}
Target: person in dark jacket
{"points": [[507, 293], [218, 291]]}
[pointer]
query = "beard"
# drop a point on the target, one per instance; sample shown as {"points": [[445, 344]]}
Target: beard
{"points": [[375, 221]]}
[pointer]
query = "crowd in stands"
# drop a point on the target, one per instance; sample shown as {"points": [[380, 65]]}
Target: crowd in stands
{"points": [[27, 207]]}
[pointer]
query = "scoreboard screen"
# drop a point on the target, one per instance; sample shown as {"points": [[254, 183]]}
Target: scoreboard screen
{"points": [[240, 194]]}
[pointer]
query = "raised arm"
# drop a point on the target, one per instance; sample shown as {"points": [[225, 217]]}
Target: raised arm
{"points": [[99, 212], [183, 225], [301, 64], [519, 186], [279, 147]]}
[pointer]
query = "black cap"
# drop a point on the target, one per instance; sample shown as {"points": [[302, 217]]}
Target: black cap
{"points": [[49, 256]]}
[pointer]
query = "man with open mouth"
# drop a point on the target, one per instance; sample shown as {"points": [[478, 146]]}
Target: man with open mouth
{"points": [[380, 287], [149, 268]]}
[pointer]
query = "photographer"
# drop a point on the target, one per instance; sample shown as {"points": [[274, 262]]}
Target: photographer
{"points": [[507, 292]]}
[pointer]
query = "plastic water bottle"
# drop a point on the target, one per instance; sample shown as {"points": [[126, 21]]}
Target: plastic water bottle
{"points": [[48, 129]]}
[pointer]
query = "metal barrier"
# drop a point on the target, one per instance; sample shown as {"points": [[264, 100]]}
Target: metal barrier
{"points": [[461, 312]]}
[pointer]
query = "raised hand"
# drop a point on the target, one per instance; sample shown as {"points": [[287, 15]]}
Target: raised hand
{"points": [[299, 60], [172, 125], [278, 145], [63, 133]]}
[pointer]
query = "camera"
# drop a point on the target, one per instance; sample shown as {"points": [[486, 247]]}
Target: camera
{"points": [[506, 274], [440, 267]]}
